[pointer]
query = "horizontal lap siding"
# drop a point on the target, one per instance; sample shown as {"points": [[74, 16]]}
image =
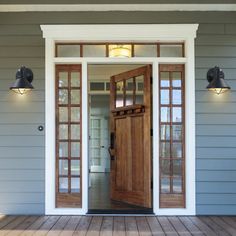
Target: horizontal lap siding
{"points": [[216, 123], [22, 164], [22, 145]]}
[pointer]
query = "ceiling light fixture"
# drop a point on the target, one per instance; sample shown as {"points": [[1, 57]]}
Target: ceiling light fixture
{"points": [[120, 51]]}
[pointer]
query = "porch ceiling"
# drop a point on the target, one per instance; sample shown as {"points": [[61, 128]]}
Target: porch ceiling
{"points": [[30, 6]]}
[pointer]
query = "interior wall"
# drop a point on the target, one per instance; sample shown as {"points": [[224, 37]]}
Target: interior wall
{"points": [[100, 109]]}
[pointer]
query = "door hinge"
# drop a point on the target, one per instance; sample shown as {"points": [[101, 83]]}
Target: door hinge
{"points": [[151, 132], [151, 79]]}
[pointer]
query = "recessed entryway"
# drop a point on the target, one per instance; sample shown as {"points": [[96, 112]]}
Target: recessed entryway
{"points": [[119, 125], [71, 185]]}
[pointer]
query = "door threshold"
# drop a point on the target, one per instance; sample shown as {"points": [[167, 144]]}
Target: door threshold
{"points": [[120, 212]]}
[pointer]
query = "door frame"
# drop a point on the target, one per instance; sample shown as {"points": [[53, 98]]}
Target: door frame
{"points": [[102, 118], [122, 33]]}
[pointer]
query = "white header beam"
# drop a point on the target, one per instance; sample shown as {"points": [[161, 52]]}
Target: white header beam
{"points": [[129, 32]]}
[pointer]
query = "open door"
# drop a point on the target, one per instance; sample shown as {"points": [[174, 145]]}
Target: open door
{"points": [[130, 144]]}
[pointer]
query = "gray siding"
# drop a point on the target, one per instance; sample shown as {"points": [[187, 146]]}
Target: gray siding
{"points": [[216, 126], [22, 145]]}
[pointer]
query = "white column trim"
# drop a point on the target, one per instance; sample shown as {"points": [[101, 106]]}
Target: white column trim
{"points": [[85, 137], [169, 32], [155, 126], [49, 127]]}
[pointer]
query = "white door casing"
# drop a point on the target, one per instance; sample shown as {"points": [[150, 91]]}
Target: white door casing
{"points": [[119, 33], [98, 143]]}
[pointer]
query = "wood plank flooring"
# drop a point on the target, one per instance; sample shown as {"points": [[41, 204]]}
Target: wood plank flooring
{"points": [[118, 225]]}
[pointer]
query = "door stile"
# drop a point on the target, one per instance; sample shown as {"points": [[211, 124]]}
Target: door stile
{"points": [[147, 135]]}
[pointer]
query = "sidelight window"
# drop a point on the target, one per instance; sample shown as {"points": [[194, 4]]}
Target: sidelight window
{"points": [[172, 154], [68, 136]]}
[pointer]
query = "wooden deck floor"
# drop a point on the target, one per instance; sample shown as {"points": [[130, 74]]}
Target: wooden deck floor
{"points": [[117, 225]]}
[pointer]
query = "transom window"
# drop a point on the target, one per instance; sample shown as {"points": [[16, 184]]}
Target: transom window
{"points": [[125, 50]]}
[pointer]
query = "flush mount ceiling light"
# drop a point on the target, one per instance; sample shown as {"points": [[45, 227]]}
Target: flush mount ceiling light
{"points": [[24, 78], [120, 50], [217, 83]]}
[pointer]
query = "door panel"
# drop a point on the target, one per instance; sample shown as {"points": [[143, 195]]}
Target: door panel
{"points": [[131, 124], [129, 155]]}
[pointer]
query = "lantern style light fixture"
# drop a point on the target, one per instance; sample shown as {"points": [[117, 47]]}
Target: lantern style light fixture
{"points": [[216, 79], [120, 50], [24, 78]]}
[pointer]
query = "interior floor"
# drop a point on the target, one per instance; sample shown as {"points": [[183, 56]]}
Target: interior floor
{"points": [[99, 195]]}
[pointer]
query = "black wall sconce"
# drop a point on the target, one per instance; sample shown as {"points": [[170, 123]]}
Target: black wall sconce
{"points": [[216, 79], [24, 78]]}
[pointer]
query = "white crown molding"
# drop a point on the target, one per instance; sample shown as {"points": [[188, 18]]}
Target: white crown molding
{"points": [[114, 7], [125, 32]]}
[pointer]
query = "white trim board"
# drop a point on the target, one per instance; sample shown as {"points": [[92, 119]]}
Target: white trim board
{"points": [[114, 7], [119, 33]]}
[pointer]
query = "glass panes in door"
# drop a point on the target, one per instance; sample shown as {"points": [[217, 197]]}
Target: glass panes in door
{"points": [[129, 92], [68, 136]]}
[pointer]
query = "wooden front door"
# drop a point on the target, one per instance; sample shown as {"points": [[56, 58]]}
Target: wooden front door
{"points": [[130, 126]]}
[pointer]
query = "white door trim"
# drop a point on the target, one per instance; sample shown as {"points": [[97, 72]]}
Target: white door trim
{"points": [[91, 33]]}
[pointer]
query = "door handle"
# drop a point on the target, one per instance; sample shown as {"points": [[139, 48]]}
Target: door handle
{"points": [[111, 149], [111, 153], [112, 140]]}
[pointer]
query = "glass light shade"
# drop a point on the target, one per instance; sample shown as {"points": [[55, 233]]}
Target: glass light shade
{"points": [[218, 85], [120, 50], [21, 91], [218, 91]]}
